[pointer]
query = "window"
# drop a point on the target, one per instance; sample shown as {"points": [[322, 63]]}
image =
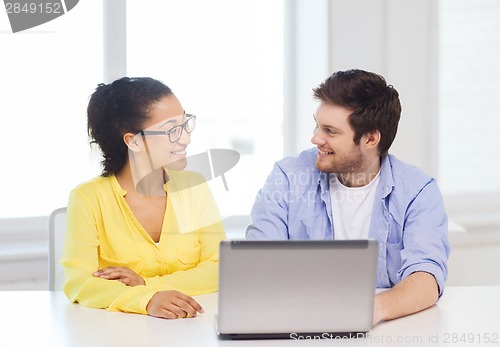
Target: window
{"points": [[48, 73], [224, 61], [469, 102]]}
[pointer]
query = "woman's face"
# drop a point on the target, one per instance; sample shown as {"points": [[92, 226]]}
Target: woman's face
{"points": [[162, 117]]}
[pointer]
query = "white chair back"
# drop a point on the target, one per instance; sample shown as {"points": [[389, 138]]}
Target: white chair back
{"points": [[57, 230]]}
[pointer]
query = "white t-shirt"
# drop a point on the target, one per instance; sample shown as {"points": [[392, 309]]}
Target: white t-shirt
{"points": [[352, 208]]}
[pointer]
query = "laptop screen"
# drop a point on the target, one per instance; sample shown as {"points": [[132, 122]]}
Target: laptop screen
{"points": [[296, 286]]}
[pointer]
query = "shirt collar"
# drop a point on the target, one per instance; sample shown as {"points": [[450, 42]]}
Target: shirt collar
{"points": [[386, 183]]}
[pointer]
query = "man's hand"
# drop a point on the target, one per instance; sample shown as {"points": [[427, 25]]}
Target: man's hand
{"points": [[120, 274], [413, 294], [172, 304]]}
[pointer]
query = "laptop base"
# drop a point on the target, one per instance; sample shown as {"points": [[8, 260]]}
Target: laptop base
{"points": [[294, 336]]}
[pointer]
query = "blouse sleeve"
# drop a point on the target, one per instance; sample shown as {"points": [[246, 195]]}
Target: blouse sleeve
{"points": [[80, 260]]}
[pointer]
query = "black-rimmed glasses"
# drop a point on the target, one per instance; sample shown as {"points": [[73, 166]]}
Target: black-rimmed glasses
{"points": [[175, 133]]}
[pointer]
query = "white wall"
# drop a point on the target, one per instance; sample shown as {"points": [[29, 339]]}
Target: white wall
{"points": [[306, 65], [23, 253], [474, 258], [397, 39]]}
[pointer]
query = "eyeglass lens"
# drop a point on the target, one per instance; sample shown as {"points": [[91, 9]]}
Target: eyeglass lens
{"points": [[175, 133]]}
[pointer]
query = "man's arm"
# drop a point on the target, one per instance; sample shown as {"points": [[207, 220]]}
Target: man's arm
{"points": [[415, 293], [270, 210]]}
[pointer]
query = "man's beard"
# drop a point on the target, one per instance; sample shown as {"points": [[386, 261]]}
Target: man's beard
{"points": [[341, 164]]}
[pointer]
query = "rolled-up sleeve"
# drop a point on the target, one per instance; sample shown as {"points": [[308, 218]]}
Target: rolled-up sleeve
{"points": [[425, 238]]}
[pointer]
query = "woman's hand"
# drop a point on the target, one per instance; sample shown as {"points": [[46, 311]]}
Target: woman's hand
{"points": [[172, 304], [120, 274]]}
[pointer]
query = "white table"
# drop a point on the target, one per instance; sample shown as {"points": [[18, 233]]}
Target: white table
{"points": [[49, 319]]}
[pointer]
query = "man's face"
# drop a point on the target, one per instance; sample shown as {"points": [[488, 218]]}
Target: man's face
{"points": [[334, 137]]}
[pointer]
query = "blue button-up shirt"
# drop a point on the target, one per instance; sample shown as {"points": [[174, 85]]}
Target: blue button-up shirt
{"points": [[408, 217]]}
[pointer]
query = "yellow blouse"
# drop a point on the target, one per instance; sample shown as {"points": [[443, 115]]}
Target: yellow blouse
{"points": [[102, 231]]}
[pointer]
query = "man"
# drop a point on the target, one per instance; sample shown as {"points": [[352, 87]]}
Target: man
{"points": [[349, 187]]}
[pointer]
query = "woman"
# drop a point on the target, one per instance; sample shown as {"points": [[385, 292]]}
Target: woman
{"points": [[144, 235]]}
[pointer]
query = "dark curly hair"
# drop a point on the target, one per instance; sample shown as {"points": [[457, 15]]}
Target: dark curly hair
{"points": [[375, 104], [116, 109]]}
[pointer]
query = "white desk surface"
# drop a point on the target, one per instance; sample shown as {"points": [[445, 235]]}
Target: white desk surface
{"points": [[465, 316]]}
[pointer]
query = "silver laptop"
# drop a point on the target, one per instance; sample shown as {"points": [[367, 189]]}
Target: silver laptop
{"points": [[296, 289]]}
